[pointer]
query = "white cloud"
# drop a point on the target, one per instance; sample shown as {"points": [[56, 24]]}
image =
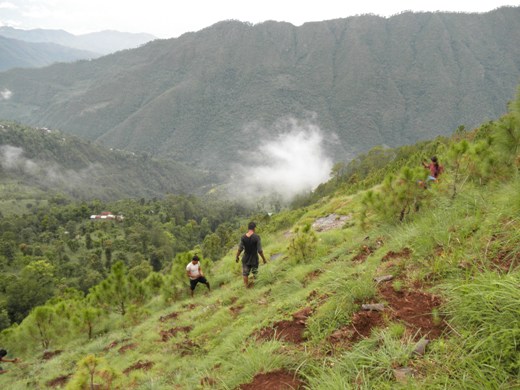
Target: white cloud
{"points": [[7, 5], [5, 94], [293, 162], [37, 12]]}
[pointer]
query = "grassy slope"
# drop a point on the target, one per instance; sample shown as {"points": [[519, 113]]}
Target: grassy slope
{"points": [[453, 244]]}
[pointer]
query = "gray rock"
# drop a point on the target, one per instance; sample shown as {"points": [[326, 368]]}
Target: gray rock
{"points": [[420, 347], [373, 306], [402, 374], [331, 221], [384, 278]]}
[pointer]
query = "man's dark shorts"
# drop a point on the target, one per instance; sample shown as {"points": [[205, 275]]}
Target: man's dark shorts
{"points": [[193, 282], [246, 270]]}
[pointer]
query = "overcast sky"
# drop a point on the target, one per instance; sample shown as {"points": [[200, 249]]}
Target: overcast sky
{"points": [[171, 18]]}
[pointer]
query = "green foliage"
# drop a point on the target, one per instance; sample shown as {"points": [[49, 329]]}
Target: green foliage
{"points": [[303, 244], [118, 290], [90, 371], [42, 325], [86, 317], [399, 196]]}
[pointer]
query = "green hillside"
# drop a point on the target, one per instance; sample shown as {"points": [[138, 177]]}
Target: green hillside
{"points": [[40, 163], [363, 80], [438, 265]]}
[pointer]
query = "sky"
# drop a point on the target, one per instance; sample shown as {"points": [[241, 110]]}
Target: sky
{"points": [[172, 18]]}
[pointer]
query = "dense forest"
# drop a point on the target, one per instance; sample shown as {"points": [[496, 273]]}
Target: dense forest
{"points": [[54, 247], [382, 281]]}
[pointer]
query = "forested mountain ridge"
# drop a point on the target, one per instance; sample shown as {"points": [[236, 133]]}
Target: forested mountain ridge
{"points": [[19, 54], [46, 160], [389, 281], [101, 42], [364, 80]]}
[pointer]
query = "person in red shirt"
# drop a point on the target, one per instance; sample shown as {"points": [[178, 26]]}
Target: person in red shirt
{"points": [[434, 167]]}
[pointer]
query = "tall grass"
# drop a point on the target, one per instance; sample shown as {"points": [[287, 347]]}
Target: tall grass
{"points": [[486, 313]]}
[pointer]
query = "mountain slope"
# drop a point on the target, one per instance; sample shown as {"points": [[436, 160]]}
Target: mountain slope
{"points": [[48, 161], [19, 54], [363, 80], [102, 42], [351, 298]]}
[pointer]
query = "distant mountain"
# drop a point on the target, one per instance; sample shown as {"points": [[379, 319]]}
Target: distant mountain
{"points": [[103, 42], [20, 54], [205, 96], [46, 160]]}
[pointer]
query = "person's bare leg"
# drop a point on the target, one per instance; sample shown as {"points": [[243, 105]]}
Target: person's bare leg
{"points": [[246, 281]]}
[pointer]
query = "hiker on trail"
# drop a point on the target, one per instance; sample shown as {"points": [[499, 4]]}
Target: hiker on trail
{"points": [[3, 354], [434, 168], [251, 244], [195, 274]]}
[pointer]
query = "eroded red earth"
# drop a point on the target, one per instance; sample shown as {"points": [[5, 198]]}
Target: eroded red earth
{"points": [[289, 330]]}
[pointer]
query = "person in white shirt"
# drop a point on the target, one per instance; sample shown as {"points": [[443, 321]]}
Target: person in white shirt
{"points": [[195, 274]]}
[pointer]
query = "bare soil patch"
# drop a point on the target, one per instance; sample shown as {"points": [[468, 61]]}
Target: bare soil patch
{"points": [[404, 253], [47, 355], [140, 365], [128, 347], [289, 330], [363, 252], [276, 380], [114, 343], [315, 295], [186, 347], [414, 308], [506, 260], [168, 316], [361, 326], [59, 381], [168, 334], [235, 310], [312, 275]]}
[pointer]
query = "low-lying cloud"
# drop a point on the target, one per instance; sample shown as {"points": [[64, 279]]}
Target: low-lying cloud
{"points": [[291, 162], [12, 159], [5, 94]]}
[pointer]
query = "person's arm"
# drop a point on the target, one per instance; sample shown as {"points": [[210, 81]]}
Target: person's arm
{"points": [[15, 360], [261, 250], [200, 271], [261, 253], [240, 249]]}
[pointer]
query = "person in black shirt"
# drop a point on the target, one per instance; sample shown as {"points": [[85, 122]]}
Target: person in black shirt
{"points": [[251, 244]]}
